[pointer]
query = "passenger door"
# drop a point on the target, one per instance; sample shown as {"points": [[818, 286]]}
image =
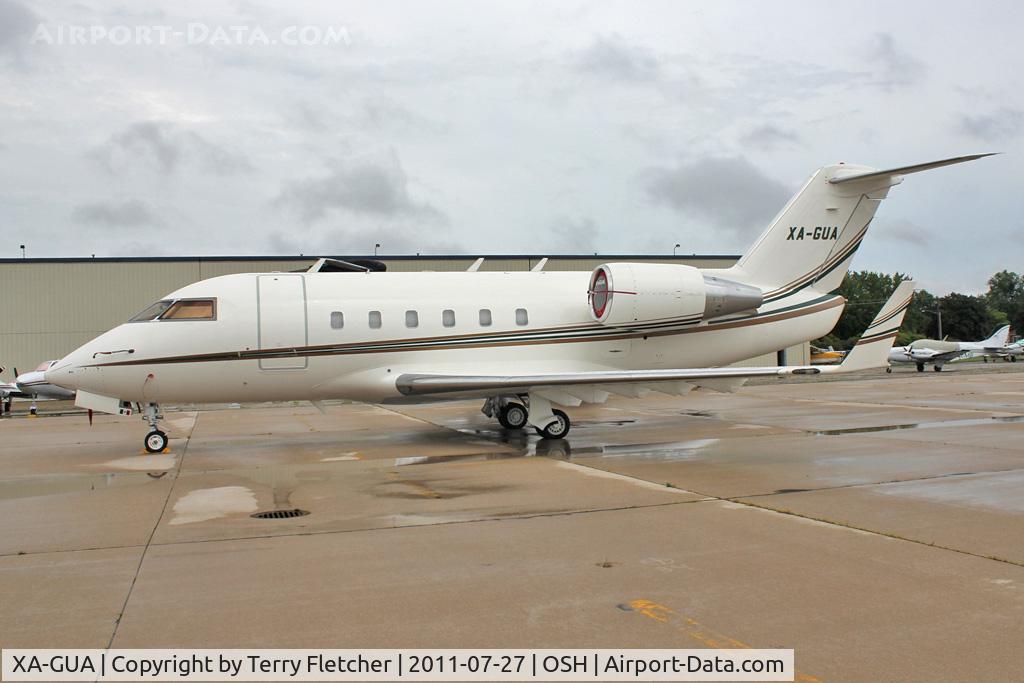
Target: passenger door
{"points": [[282, 322]]}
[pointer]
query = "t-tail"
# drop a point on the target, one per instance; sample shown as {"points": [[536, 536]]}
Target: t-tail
{"points": [[811, 243]]}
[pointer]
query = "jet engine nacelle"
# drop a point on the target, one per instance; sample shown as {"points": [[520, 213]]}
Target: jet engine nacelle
{"points": [[627, 293]]}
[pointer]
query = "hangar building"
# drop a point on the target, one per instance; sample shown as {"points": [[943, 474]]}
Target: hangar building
{"points": [[51, 306]]}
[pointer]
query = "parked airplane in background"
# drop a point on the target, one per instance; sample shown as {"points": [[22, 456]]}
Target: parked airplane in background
{"points": [[522, 341], [829, 356], [941, 352], [1007, 353], [32, 385]]}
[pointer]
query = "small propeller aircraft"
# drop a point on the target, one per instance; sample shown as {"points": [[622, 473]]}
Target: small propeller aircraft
{"points": [[524, 342], [938, 352]]}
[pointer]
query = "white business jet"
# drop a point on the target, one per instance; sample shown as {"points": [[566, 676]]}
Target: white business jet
{"points": [[32, 385], [939, 352], [522, 341]]}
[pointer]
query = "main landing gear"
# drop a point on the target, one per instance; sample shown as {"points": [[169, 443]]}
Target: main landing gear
{"points": [[156, 440], [536, 411]]}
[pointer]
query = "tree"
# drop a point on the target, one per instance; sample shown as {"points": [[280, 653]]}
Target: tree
{"points": [[966, 318], [1006, 295], [865, 292]]}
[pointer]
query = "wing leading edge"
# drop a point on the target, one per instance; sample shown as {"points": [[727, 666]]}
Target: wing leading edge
{"points": [[871, 351]]}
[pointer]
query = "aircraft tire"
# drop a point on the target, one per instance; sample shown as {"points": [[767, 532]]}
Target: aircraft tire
{"points": [[558, 429], [155, 441], [937, 368], [888, 370], [920, 367], [1013, 359], [513, 416]]}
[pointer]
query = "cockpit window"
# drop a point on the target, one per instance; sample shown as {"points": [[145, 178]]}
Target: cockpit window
{"points": [[191, 309], [152, 312], [179, 309]]}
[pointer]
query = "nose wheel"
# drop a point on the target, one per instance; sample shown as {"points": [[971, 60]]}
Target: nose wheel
{"points": [[156, 441]]}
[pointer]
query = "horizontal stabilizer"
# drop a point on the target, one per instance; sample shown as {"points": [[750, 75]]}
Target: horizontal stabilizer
{"points": [[904, 170]]}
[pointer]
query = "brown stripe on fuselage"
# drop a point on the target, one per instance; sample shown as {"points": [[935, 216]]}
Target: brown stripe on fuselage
{"points": [[447, 342]]}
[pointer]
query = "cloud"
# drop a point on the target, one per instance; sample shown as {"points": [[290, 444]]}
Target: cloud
{"points": [[393, 239], [902, 230], [730, 193], [894, 68], [17, 24], [613, 58], [769, 136], [574, 236], [130, 213], [995, 127], [371, 188], [165, 145]]}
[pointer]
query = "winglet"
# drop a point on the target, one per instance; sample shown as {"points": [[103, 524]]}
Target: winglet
{"points": [[904, 170], [872, 349]]}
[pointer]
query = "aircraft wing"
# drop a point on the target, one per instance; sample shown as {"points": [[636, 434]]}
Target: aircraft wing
{"points": [[573, 388], [11, 390]]}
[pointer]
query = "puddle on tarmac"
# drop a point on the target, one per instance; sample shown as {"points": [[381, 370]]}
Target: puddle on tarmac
{"points": [[672, 450], [971, 422], [201, 505], [997, 491], [32, 487]]}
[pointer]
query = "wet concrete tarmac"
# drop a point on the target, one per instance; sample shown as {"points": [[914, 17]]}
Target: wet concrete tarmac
{"points": [[876, 525]]}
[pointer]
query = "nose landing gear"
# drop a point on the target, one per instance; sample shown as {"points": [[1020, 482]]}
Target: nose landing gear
{"points": [[156, 440]]}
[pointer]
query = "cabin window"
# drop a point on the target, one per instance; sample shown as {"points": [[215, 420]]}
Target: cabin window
{"points": [[152, 312], [521, 317], [485, 317], [412, 319], [448, 317], [191, 309], [337, 320], [375, 320]]}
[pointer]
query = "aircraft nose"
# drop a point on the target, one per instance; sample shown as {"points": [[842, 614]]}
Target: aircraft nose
{"points": [[62, 375]]}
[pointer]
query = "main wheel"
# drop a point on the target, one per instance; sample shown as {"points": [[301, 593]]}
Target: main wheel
{"points": [[937, 368], [889, 370], [1013, 359], [156, 441], [920, 367], [513, 416], [558, 429]]}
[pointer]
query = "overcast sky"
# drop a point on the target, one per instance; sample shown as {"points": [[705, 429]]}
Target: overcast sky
{"points": [[517, 127]]}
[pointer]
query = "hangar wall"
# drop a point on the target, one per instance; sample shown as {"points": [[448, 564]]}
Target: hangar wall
{"points": [[49, 307]]}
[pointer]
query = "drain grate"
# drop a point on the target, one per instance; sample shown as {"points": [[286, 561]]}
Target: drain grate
{"points": [[280, 514]]}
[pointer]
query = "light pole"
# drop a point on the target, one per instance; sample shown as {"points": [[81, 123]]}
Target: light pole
{"points": [[674, 249], [375, 248], [22, 251], [938, 312]]}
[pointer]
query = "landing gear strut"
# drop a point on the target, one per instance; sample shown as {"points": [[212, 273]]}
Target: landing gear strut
{"points": [[156, 440]]}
